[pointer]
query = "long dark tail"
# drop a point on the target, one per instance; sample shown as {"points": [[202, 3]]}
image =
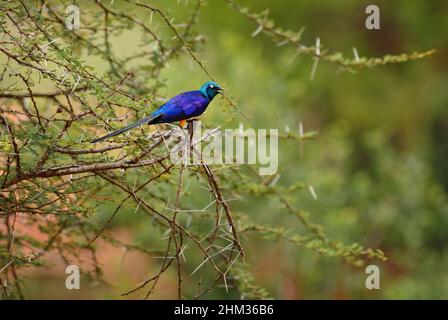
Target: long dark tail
{"points": [[148, 119]]}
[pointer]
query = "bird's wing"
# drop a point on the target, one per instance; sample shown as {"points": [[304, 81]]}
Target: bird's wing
{"points": [[181, 107], [129, 127], [191, 108]]}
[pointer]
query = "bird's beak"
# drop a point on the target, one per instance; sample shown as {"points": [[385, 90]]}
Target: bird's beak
{"points": [[220, 90]]}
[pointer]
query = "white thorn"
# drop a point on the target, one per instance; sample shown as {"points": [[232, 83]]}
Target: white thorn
{"points": [[318, 46], [313, 192], [313, 70], [355, 53], [301, 129], [257, 31]]}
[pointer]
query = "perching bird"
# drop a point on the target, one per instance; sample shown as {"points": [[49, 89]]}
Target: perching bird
{"points": [[180, 108]]}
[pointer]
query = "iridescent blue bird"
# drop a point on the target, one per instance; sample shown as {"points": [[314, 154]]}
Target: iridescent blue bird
{"points": [[180, 108]]}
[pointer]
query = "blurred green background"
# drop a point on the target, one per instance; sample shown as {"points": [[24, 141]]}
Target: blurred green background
{"points": [[379, 166]]}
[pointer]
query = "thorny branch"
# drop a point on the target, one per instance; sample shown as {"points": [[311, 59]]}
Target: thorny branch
{"points": [[48, 169]]}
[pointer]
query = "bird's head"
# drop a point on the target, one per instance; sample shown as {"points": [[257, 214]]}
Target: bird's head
{"points": [[211, 89]]}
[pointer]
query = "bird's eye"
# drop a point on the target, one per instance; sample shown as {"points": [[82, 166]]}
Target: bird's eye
{"points": [[211, 86]]}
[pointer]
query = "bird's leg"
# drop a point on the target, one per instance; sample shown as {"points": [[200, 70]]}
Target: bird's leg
{"points": [[190, 125], [190, 128]]}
